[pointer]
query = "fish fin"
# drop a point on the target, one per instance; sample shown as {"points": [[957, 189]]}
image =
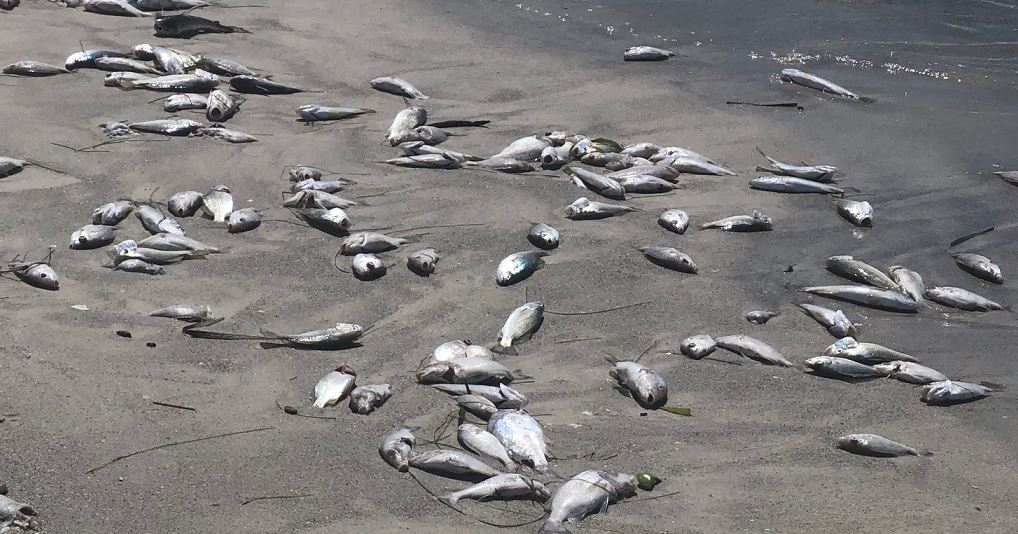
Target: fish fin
{"points": [[518, 375], [320, 404], [508, 351], [238, 29], [925, 454]]}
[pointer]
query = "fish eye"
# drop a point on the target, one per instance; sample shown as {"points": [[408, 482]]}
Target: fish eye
{"points": [[43, 275]]}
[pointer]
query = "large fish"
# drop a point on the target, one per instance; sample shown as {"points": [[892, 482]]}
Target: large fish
{"points": [[33, 69], [522, 436], [753, 349], [950, 392], [669, 258], [842, 368], [962, 299], [504, 487], [859, 271], [188, 26], [979, 266], [587, 493], [812, 81], [197, 82], [522, 323], [757, 222], [791, 184], [881, 299]]}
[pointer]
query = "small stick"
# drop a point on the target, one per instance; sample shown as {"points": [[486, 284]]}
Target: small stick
{"points": [[177, 406], [303, 415], [150, 449], [275, 497], [579, 339], [598, 311]]}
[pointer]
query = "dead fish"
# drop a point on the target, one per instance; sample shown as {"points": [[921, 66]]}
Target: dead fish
{"points": [[420, 148], [804, 79], [169, 60], [138, 266], [501, 395], [261, 86], [9, 5], [369, 242], [223, 67], [962, 299], [16, 515], [858, 271], [842, 368], [815, 173], [397, 447], [243, 220], [518, 266], [129, 249], [310, 198], [327, 186], [112, 213], [646, 53], [398, 87], [450, 350], [950, 392], [92, 236], [554, 158], [197, 82], [116, 8], [122, 80], [423, 262], [428, 135], [503, 487], [586, 494], [867, 353], [168, 127], [33, 69], [674, 220], [217, 203], [600, 184], [366, 399], [217, 131], [583, 209], [124, 64], [835, 321], [522, 436], [188, 26], [647, 387], [407, 119], [333, 220], [757, 222], [467, 371], [641, 150], [617, 160], [86, 59], [427, 161], [455, 464], [334, 386], [753, 349], [790, 184], [166, 241], [315, 112], [910, 282], [155, 222], [855, 212], [35, 274], [878, 446], [1010, 177], [881, 299], [183, 102], [520, 326], [168, 5], [184, 312], [479, 406], [300, 173], [184, 203], [648, 185], [11, 166], [663, 172], [543, 236], [221, 107], [911, 372], [367, 267], [698, 347], [484, 444], [692, 165], [501, 164], [342, 335], [979, 266], [669, 258], [761, 316]]}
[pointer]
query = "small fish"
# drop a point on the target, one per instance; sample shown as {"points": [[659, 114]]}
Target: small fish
{"points": [[92, 236], [645, 385], [116, 8], [343, 335], [243, 220], [962, 299], [423, 262], [398, 87], [427, 161], [467, 371], [129, 249], [858, 271], [420, 148], [197, 82], [221, 106], [753, 349], [674, 220], [518, 266], [450, 350], [255, 85], [757, 222], [369, 242], [155, 222], [122, 80], [167, 241], [223, 67], [815, 173], [184, 203], [910, 282], [587, 493], [648, 185], [217, 203], [522, 436], [693, 165], [452, 463], [812, 81], [761, 316], [188, 26], [502, 164], [168, 127], [332, 221], [790, 184], [138, 266], [669, 258], [170, 61], [878, 446], [554, 158], [397, 447], [950, 392], [11, 166], [124, 64], [583, 209], [867, 353], [300, 173], [842, 368], [33, 69], [366, 399], [314, 112], [479, 406], [230, 136], [543, 236], [641, 150], [86, 59], [835, 321], [184, 312], [334, 386], [501, 395], [911, 372], [520, 326], [504, 487], [1010, 177], [646, 53], [35, 274], [484, 444], [698, 347], [310, 198], [600, 184], [979, 266], [881, 299], [367, 267]]}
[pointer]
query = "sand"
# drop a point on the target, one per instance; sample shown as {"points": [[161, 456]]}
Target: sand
{"points": [[758, 453]]}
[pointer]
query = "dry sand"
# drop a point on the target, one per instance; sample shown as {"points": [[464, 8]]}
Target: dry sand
{"points": [[757, 456]]}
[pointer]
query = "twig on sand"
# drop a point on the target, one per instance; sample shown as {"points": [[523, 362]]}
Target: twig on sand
{"points": [[177, 406], [150, 449], [293, 411], [577, 340], [598, 311], [275, 497]]}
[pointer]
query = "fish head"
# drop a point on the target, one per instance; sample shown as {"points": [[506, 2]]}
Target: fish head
{"points": [[346, 369], [849, 442], [433, 374], [625, 485], [816, 362], [40, 275]]}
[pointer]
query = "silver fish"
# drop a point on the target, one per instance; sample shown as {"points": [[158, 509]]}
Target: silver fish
{"points": [[300, 173], [333, 220], [124, 64], [525, 148], [184, 312], [217, 203], [165, 241], [646, 385], [420, 148], [617, 160], [669, 258], [155, 222], [816, 173], [222, 67], [502, 164], [121, 80], [427, 161], [314, 112], [504, 487], [366, 399], [543, 236], [554, 158], [451, 463], [221, 106], [881, 299], [341, 335], [950, 392], [243, 220], [11, 166], [867, 353], [520, 326], [466, 371], [586, 494], [423, 262], [217, 131], [835, 321], [368, 267], [698, 347], [858, 271], [979, 266], [138, 266], [812, 81], [522, 436], [170, 61], [693, 165], [910, 282], [484, 444], [34, 69], [753, 349], [842, 368], [16, 515], [674, 220], [310, 198], [600, 184], [406, 120], [86, 59], [197, 82], [1010, 177], [757, 222], [117, 8], [397, 447], [641, 150], [92, 236], [501, 395], [168, 127], [583, 209], [963, 299], [479, 406], [791, 184], [663, 172], [35, 274], [648, 185], [327, 186], [334, 386], [874, 445], [129, 249], [761, 316], [646, 53], [184, 203], [518, 266], [911, 372], [398, 87], [450, 350], [370, 242]]}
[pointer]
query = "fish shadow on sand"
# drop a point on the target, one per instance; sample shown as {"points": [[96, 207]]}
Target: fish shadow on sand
{"points": [[286, 344], [840, 378]]}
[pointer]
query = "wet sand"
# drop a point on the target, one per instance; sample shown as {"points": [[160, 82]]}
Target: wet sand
{"points": [[758, 454]]}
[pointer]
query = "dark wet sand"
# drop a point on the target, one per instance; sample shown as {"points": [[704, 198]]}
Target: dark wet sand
{"points": [[757, 456]]}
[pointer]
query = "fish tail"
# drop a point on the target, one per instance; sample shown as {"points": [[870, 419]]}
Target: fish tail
{"points": [[518, 375], [238, 29], [319, 403], [925, 454], [866, 99], [449, 500], [508, 351]]}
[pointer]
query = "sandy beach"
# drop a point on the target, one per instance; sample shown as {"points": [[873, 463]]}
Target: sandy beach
{"points": [[758, 453]]}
